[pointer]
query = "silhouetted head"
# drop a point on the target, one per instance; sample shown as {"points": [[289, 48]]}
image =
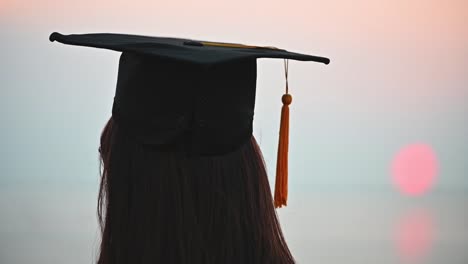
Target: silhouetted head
{"points": [[183, 179], [164, 206]]}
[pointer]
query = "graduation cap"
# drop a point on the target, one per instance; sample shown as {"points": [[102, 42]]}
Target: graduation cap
{"points": [[199, 95]]}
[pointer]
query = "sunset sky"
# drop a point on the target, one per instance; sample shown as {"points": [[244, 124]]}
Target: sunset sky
{"points": [[398, 78]]}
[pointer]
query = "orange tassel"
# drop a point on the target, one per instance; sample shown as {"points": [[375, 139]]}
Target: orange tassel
{"points": [[281, 185]]}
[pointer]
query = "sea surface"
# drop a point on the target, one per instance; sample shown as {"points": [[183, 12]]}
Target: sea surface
{"points": [[333, 226]]}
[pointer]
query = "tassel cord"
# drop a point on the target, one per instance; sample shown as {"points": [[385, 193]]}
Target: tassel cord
{"points": [[281, 183]]}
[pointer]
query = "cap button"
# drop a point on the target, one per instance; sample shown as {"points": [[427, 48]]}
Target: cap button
{"points": [[201, 123], [203, 99]]}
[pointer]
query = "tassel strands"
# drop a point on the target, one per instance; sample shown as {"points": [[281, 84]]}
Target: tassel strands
{"points": [[281, 184]]}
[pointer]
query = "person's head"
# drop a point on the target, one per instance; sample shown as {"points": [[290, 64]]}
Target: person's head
{"points": [[161, 205], [183, 179]]}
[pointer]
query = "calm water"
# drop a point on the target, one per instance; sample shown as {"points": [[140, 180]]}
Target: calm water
{"points": [[331, 227]]}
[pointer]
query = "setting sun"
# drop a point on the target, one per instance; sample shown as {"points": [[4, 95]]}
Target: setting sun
{"points": [[414, 169]]}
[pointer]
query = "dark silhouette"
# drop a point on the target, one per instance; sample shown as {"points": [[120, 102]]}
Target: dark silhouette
{"points": [[183, 179], [165, 207]]}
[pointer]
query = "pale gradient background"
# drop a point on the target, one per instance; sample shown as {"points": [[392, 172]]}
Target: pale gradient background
{"points": [[399, 75]]}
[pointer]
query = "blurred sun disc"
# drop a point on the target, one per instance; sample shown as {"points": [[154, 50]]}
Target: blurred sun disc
{"points": [[414, 169]]}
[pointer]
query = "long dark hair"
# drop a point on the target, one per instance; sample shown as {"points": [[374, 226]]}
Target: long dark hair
{"points": [[162, 206]]}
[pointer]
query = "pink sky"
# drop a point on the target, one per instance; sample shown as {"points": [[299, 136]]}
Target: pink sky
{"points": [[385, 18]]}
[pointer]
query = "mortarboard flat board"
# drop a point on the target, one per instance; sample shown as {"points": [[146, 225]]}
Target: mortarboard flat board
{"points": [[197, 95], [202, 52]]}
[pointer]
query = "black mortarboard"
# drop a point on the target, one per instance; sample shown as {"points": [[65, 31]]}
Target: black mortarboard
{"points": [[190, 93]]}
